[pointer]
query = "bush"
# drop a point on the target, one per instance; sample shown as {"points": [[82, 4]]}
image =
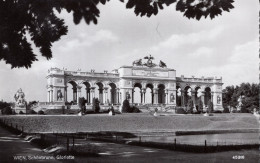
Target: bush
{"points": [[180, 111], [95, 105], [126, 107], [41, 112], [210, 106], [190, 106], [217, 111], [20, 112], [32, 112], [226, 110], [7, 111], [135, 110]]}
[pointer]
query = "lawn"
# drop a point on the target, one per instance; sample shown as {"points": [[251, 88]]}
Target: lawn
{"points": [[134, 122]]}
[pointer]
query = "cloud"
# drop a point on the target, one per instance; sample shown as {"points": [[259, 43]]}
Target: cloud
{"points": [[86, 40], [201, 52], [239, 66], [179, 40]]}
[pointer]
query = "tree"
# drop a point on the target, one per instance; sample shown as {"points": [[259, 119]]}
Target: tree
{"points": [[200, 106], [248, 92], [210, 106], [126, 106], [190, 106], [22, 20], [95, 105], [82, 103]]}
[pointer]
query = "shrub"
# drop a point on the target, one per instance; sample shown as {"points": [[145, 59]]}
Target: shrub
{"points": [[32, 112], [190, 106], [21, 112], [135, 110], [226, 110], [126, 106], [82, 103], [41, 112], [7, 111], [210, 106], [95, 105], [180, 111], [217, 111]]}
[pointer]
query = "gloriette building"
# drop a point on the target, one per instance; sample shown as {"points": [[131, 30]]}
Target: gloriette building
{"points": [[144, 82]]}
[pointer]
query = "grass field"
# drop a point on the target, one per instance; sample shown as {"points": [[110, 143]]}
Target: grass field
{"points": [[131, 122]]}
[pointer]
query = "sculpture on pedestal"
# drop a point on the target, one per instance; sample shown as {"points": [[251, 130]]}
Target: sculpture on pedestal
{"points": [[19, 98]]}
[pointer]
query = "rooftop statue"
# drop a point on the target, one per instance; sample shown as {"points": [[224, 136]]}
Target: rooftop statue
{"points": [[138, 62], [19, 98], [162, 64], [149, 62]]}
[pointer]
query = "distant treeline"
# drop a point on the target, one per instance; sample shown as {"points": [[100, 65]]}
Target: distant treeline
{"points": [[248, 93]]}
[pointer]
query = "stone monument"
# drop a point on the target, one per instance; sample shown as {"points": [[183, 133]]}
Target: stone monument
{"points": [[20, 103]]}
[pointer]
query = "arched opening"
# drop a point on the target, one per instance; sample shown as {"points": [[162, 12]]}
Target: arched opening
{"points": [[86, 91], [161, 94], [137, 93], [187, 95], [149, 94], [197, 97], [207, 95], [178, 96], [99, 87], [112, 93], [71, 92]]}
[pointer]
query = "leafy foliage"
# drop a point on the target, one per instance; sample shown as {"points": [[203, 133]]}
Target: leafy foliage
{"points": [[210, 106], [95, 105], [32, 112], [7, 111], [249, 92], [4, 104], [190, 106], [22, 20], [82, 102], [126, 106], [41, 112], [200, 106]]}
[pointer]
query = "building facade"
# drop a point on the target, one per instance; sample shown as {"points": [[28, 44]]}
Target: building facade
{"points": [[140, 83]]}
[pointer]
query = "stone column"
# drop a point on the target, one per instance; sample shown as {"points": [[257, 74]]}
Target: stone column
{"points": [[52, 96], [182, 98], [106, 95], [166, 96], [78, 93], [65, 94], [92, 94], [155, 91], [202, 98], [118, 95], [48, 96], [87, 95], [194, 100], [143, 96], [133, 96]]}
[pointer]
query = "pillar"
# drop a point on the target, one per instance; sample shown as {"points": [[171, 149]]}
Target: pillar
{"points": [[106, 95], [51, 96], [193, 97], [182, 98], [202, 98], [118, 95], [166, 96], [48, 96], [78, 93], [92, 94], [65, 94], [155, 91], [143, 95]]}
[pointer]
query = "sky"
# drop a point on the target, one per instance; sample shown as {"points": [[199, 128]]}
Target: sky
{"points": [[226, 47]]}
